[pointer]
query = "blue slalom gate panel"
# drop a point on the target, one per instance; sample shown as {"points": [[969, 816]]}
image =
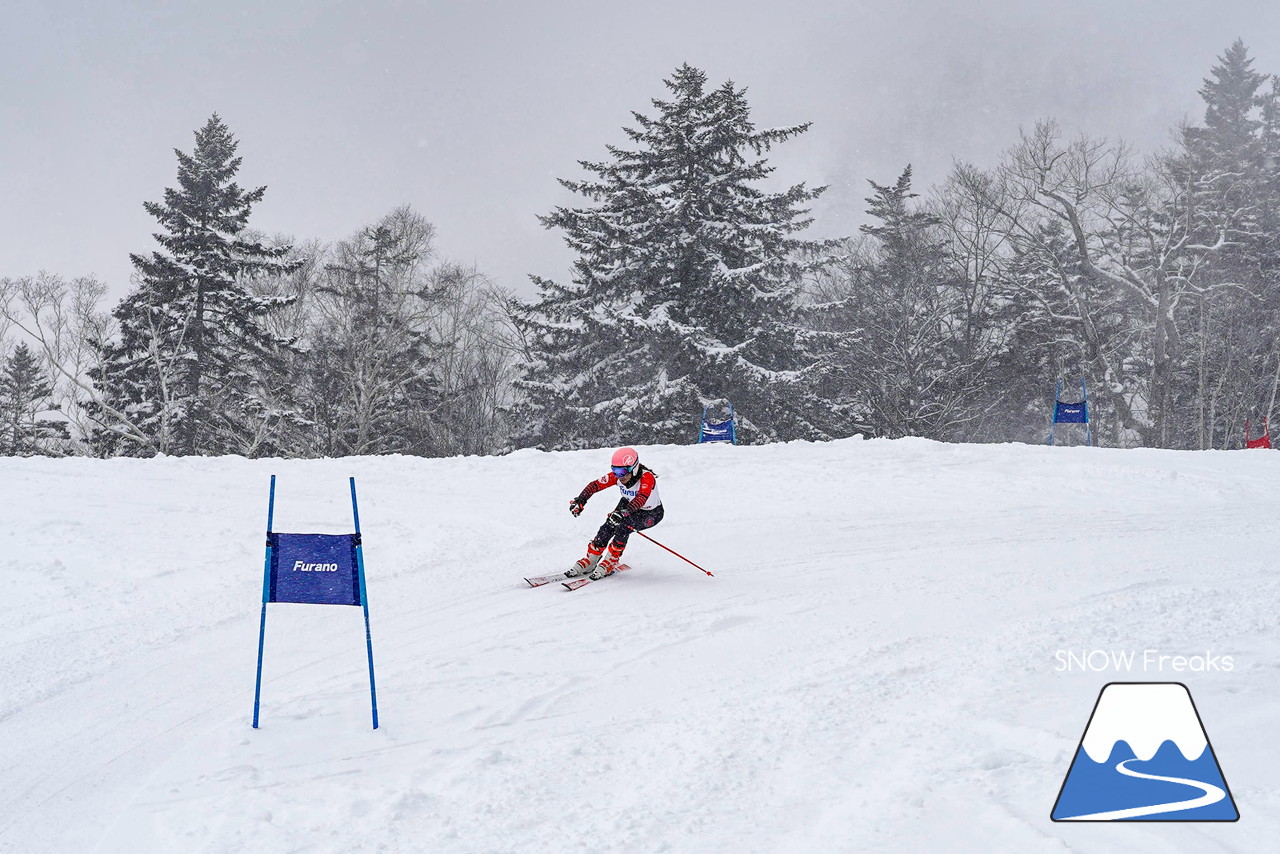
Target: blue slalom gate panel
{"points": [[314, 569], [718, 431], [319, 569], [1070, 413], [1076, 412]]}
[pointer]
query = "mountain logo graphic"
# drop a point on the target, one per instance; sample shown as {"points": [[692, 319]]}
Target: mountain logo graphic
{"points": [[1144, 756]]}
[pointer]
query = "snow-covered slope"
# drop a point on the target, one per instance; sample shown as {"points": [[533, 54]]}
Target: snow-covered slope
{"points": [[875, 666]]}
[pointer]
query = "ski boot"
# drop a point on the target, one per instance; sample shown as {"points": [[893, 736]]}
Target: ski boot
{"points": [[586, 564], [609, 564]]}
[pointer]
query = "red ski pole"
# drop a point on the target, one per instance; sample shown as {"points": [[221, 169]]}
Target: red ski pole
{"points": [[673, 551]]}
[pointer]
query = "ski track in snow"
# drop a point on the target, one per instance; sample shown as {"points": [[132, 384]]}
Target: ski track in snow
{"points": [[871, 669]]}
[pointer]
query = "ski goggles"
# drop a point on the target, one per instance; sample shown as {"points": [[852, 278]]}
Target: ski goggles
{"points": [[621, 471]]}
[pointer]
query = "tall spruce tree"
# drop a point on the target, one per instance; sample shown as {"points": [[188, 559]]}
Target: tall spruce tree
{"points": [[684, 292], [1229, 139], [1267, 388], [1230, 174], [192, 349], [26, 394]]}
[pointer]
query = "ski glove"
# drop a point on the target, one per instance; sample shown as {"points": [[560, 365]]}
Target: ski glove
{"points": [[618, 517], [575, 507]]}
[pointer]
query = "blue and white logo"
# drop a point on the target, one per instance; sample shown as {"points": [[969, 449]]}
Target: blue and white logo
{"points": [[1145, 756]]}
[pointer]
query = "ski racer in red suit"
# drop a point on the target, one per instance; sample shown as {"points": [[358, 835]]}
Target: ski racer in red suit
{"points": [[638, 508]]}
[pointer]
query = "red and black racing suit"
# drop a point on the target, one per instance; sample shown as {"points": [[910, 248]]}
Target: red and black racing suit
{"points": [[640, 502]]}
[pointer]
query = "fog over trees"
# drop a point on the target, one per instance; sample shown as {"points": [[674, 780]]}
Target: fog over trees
{"points": [[951, 314]]}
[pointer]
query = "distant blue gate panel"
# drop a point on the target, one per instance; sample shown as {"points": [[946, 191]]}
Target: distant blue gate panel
{"points": [[1071, 413], [318, 569], [717, 431]]}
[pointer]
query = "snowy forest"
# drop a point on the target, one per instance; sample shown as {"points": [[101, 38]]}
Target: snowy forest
{"points": [[951, 314]]}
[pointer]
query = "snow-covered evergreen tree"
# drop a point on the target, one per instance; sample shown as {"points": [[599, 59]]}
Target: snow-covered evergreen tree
{"points": [[684, 292], [192, 346], [1228, 143], [26, 394], [1229, 169]]}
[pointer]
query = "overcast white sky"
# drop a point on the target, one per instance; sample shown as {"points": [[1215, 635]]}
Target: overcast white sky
{"points": [[469, 111]]}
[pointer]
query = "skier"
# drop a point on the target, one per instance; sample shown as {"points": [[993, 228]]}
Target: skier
{"points": [[639, 508]]}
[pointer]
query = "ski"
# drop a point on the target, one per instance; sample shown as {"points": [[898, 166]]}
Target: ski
{"points": [[539, 580], [583, 581]]}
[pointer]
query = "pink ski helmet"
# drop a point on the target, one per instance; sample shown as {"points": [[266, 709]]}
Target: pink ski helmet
{"points": [[625, 461]]}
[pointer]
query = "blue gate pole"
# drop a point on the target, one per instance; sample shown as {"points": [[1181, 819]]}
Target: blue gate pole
{"points": [[266, 594], [364, 602], [1088, 425], [1054, 420]]}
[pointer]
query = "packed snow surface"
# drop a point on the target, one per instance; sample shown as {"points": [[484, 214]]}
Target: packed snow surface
{"points": [[879, 664]]}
